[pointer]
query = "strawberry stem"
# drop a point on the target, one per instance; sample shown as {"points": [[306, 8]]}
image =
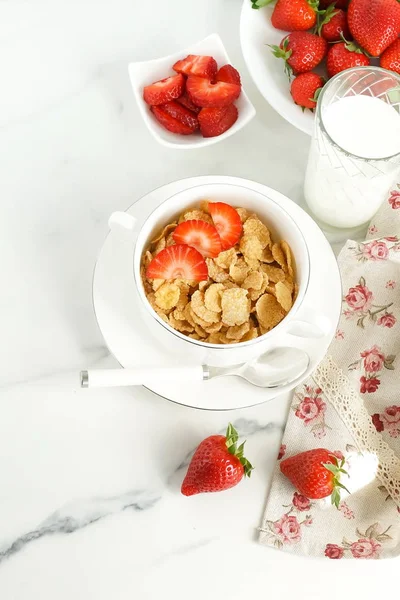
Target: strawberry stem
{"points": [[336, 468], [283, 53], [260, 3], [232, 437], [323, 17], [353, 46]]}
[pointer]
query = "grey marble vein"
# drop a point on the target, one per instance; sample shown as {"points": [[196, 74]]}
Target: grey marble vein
{"points": [[184, 549], [81, 513]]}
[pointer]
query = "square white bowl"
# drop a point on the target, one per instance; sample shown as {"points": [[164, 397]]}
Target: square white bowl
{"points": [[146, 72]]}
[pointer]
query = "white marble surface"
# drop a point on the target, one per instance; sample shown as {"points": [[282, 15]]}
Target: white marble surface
{"points": [[89, 501]]}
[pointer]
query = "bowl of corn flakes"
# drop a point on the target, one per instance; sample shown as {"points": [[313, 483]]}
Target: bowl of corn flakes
{"points": [[221, 271]]}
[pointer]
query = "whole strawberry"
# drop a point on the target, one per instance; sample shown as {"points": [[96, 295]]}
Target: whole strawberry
{"points": [[217, 465], [315, 474], [294, 15], [390, 59], [301, 51], [305, 89], [345, 55], [334, 25], [374, 24]]}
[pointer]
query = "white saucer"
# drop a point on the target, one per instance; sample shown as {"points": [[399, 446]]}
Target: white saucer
{"points": [[115, 303]]}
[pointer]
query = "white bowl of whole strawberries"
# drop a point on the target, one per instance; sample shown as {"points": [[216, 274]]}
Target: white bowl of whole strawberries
{"points": [[325, 37], [192, 98]]}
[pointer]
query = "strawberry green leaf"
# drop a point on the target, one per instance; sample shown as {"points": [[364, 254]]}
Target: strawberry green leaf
{"points": [[232, 437], [260, 3], [324, 16], [335, 497]]}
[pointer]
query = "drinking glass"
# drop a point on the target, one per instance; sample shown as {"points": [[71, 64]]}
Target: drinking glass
{"points": [[342, 189]]}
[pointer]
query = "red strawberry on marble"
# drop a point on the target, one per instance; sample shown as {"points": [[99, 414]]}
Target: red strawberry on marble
{"points": [[218, 464]]}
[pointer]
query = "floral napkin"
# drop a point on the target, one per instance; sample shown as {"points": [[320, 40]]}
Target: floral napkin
{"points": [[351, 406]]}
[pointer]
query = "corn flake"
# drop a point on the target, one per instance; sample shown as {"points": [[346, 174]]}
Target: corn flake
{"points": [[212, 297], [267, 256], [196, 214], [275, 274], [288, 256], [243, 214], [254, 227], [269, 312], [284, 296], [251, 335], [167, 296], [251, 247], [226, 259], [238, 331], [279, 256], [253, 281], [199, 308], [215, 272], [239, 271], [156, 283], [163, 234], [161, 244], [235, 306]]}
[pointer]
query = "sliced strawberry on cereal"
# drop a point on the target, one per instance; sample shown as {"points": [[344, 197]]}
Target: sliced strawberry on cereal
{"points": [[186, 101], [169, 122], [200, 235], [202, 66], [164, 90], [227, 222], [181, 114], [206, 94], [178, 262], [215, 121], [229, 74]]}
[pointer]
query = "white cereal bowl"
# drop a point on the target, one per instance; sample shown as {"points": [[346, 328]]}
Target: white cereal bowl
{"points": [[146, 72], [294, 331]]}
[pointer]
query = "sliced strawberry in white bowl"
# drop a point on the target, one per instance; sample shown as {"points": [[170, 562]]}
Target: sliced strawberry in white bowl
{"points": [[157, 83], [178, 262], [200, 235], [201, 66]]}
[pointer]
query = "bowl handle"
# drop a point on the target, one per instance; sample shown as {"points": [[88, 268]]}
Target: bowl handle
{"points": [[121, 220], [309, 325]]}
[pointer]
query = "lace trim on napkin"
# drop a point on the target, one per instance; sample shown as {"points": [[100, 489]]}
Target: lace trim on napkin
{"points": [[350, 407]]}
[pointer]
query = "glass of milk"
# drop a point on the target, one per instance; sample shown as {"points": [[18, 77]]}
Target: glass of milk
{"points": [[355, 150]]}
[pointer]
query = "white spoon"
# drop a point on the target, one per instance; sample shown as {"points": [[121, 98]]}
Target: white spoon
{"points": [[274, 368]]}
